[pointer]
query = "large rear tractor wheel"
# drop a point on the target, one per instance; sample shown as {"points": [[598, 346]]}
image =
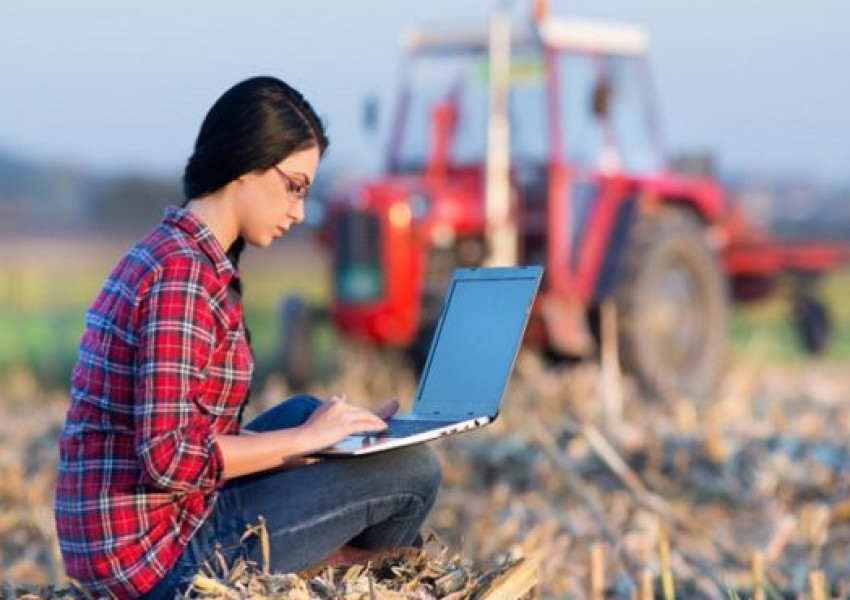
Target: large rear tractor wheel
{"points": [[672, 303]]}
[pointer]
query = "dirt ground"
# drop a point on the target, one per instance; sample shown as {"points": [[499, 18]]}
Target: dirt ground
{"points": [[580, 473]]}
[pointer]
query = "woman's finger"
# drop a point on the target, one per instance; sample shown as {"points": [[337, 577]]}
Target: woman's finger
{"points": [[388, 410], [368, 420]]}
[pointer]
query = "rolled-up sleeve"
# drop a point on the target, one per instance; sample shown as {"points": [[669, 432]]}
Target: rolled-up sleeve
{"points": [[174, 438]]}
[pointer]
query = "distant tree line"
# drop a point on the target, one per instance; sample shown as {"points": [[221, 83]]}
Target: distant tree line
{"points": [[46, 198], [53, 197]]}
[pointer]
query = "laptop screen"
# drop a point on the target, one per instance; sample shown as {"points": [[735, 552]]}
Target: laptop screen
{"points": [[476, 341]]}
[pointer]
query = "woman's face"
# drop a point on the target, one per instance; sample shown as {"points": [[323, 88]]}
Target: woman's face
{"points": [[274, 199]]}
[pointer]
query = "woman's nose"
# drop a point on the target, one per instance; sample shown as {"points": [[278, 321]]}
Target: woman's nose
{"points": [[296, 211]]}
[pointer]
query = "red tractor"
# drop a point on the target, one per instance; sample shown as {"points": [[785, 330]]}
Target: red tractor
{"points": [[537, 146]]}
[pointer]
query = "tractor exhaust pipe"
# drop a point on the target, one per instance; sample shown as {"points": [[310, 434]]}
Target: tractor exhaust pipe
{"points": [[501, 228]]}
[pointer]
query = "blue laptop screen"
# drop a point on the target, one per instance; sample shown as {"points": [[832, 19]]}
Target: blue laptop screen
{"points": [[476, 342]]}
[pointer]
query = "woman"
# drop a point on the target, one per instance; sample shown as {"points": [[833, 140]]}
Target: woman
{"points": [[156, 472]]}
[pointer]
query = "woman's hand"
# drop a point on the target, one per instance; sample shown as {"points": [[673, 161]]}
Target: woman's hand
{"points": [[253, 451], [336, 419]]}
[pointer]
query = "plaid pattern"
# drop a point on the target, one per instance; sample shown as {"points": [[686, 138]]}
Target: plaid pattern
{"points": [[163, 365]]}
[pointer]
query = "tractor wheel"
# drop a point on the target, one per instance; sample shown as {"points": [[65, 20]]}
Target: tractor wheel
{"points": [[672, 304], [296, 348], [812, 321]]}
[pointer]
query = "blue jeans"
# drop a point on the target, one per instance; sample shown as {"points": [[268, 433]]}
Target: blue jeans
{"points": [[375, 501]]}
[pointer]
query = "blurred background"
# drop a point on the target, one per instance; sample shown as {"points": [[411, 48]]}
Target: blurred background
{"points": [[101, 102], [99, 106]]}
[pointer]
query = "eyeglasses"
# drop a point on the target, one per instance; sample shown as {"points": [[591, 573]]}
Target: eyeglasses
{"points": [[293, 186]]}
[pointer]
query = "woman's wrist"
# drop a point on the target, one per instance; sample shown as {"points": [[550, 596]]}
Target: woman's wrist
{"points": [[253, 452]]}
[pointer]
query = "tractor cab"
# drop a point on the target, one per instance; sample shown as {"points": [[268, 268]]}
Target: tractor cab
{"points": [[558, 135], [578, 111]]}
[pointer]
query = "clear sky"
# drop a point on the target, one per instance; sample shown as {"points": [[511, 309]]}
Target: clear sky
{"points": [[109, 84]]}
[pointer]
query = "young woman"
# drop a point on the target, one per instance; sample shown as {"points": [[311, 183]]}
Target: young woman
{"points": [[156, 472]]}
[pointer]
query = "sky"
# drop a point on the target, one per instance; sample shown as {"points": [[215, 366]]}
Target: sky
{"points": [[124, 84]]}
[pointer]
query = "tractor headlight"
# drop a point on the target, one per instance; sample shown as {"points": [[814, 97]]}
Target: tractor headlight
{"points": [[400, 214]]}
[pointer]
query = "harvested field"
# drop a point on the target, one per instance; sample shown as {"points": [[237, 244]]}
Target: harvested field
{"points": [[609, 494]]}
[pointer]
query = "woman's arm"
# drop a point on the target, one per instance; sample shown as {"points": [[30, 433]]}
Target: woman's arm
{"points": [[332, 422], [253, 451], [175, 329]]}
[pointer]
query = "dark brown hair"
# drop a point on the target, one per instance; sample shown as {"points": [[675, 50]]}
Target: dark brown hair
{"points": [[253, 126]]}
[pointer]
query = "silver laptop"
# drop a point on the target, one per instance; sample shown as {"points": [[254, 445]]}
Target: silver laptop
{"points": [[470, 361]]}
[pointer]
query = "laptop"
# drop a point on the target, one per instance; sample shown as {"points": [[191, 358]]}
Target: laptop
{"points": [[472, 355]]}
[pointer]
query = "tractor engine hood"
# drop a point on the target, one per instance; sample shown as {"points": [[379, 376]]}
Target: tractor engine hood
{"points": [[380, 233], [434, 210]]}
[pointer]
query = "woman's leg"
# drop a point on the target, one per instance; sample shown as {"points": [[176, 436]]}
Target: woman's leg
{"points": [[208, 538], [372, 502], [291, 413]]}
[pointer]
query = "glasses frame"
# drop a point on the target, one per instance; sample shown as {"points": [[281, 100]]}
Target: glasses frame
{"points": [[293, 186]]}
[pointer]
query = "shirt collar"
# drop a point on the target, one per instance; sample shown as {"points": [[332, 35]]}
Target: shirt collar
{"points": [[203, 236]]}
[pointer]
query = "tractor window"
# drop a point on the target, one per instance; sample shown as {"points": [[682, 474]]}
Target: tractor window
{"points": [[470, 142], [527, 105], [584, 128], [630, 115], [456, 78], [606, 112]]}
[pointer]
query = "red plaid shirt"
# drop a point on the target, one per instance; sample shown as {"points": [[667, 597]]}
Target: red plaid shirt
{"points": [[164, 364]]}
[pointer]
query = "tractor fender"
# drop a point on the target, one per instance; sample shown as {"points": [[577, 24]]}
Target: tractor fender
{"points": [[611, 273]]}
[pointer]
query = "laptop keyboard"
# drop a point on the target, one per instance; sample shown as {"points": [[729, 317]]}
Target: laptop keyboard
{"points": [[405, 428]]}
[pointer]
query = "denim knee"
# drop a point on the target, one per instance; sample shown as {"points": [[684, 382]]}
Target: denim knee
{"points": [[305, 404], [422, 470], [289, 413]]}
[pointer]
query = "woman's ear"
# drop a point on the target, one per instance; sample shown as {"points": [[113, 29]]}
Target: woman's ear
{"points": [[246, 177]]}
